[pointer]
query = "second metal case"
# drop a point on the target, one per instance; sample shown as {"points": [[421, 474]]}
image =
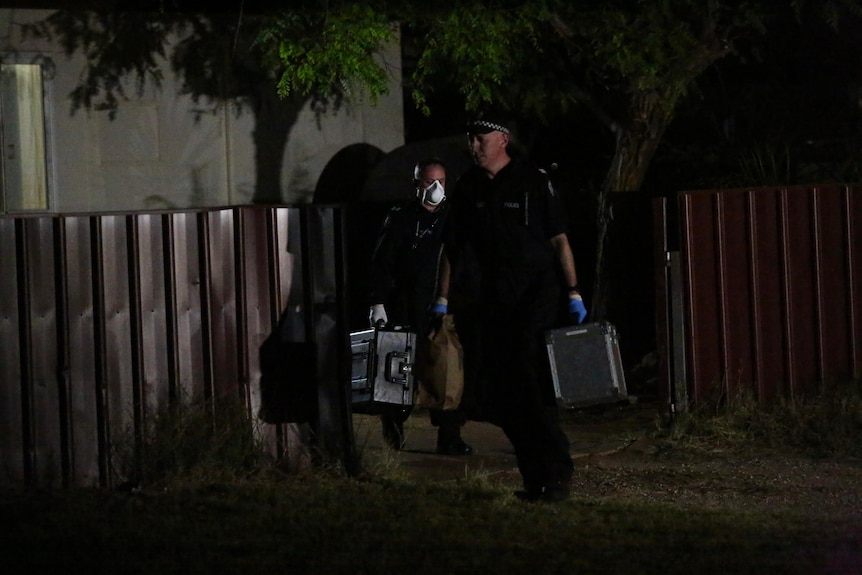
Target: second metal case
{"points": [[586, 364]]}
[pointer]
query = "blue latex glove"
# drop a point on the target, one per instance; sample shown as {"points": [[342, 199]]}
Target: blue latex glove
{"points": [[438, 308], [577, 308], [436, 311]]}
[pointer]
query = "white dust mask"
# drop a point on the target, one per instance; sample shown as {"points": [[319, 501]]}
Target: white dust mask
{"points": [[433, 194]]}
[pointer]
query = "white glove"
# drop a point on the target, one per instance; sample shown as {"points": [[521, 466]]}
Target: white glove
{"points": [[377, 314]]}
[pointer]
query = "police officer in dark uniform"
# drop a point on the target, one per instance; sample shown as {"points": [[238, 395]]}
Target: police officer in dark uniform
{"points": [[403, 279], [507, 218]]}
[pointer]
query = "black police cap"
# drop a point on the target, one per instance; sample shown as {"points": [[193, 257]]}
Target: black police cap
{"points": [[485, 126]]}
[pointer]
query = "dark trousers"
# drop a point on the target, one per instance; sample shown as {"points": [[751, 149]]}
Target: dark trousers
{"points": [[518, 390], [448, 423]]}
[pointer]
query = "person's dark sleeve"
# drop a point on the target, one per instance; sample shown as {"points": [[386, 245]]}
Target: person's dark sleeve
{"points": [[383, 259]]}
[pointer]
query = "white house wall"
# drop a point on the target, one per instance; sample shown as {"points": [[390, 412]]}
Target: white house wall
{"points": [[309, 148], [161, 152]]}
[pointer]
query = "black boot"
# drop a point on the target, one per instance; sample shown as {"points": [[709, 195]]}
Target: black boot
{"points": [[457, 447], [449, 440]]}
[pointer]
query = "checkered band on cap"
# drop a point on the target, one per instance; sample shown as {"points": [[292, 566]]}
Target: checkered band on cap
{"points": [[484, 126]]}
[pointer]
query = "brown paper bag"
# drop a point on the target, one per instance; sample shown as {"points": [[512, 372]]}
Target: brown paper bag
{"points": [[441, 375]]}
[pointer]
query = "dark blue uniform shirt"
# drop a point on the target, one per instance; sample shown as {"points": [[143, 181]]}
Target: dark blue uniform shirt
{"points": [[505, 223]]}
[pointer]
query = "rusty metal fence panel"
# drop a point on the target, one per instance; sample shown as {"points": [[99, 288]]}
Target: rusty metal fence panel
{"points": [[772, 285], [105, 317]]}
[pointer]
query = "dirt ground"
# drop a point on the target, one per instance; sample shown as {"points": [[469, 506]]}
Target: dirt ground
{"points": [[619, 455]]}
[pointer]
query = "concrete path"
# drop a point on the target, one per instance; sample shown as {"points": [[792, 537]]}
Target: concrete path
{"points": [[595, 430]]}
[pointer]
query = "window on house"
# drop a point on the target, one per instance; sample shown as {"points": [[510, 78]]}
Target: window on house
{"points": [[22, 135]]}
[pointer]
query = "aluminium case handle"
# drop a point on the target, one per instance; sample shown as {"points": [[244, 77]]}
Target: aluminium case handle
{"points": [[398, 367]]}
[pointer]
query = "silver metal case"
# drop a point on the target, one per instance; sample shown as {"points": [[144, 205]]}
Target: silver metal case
{"points": [[382, 377], [585, 364]]}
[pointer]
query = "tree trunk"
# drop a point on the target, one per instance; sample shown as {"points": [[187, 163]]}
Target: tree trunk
{"points": [[650, 114]]}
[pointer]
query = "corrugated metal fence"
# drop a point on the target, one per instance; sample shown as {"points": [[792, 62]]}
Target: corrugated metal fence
{"points": [[103, 317], [765, 291]]}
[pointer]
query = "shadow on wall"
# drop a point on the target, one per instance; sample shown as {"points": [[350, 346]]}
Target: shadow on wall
{"points": [[343, 178]]}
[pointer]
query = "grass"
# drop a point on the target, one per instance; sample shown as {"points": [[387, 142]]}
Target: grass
{"points": [[180, 442], [827, 423], [213, 503], [332, 525]]}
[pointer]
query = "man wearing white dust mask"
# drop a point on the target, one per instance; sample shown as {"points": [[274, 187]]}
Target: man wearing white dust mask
{"points": [[403, 280]]}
